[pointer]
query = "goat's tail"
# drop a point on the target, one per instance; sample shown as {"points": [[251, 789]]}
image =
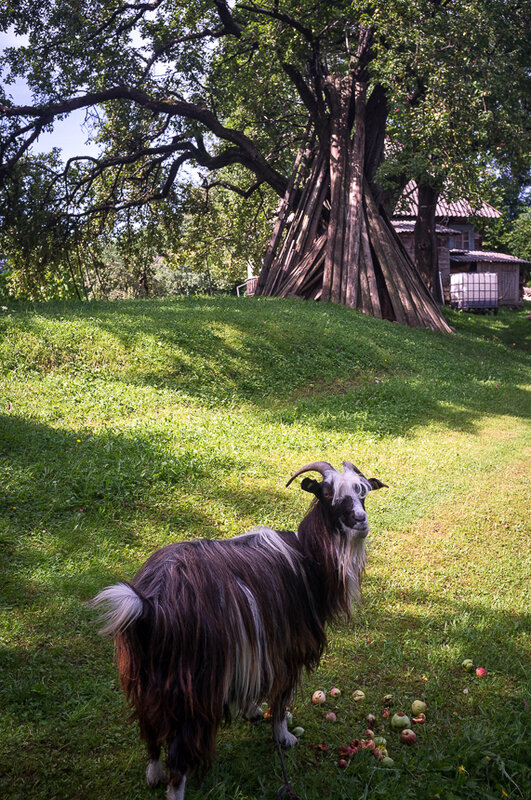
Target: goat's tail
{"points": [[122, 606]]}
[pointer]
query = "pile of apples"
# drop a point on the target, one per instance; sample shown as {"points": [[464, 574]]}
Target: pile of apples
{"points": [[399, 722], [376, 745]]}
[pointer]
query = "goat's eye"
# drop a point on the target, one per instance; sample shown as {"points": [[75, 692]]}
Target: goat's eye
{"points": [[327, 492]]}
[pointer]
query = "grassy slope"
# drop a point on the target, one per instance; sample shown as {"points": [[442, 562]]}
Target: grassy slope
{"points": [[125, 426]]}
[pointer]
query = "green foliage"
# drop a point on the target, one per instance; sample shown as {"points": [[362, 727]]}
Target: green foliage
{"points": [[451, 115], [223, 234], [519, 238]]}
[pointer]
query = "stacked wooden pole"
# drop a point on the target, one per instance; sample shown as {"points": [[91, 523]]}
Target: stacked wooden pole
{"points": [[331, 240]]}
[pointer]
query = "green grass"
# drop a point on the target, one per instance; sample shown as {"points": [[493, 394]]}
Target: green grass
{"points": [[125, 426]]}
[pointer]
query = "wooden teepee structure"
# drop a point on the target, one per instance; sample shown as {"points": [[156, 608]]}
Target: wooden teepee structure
{"points": [[332, 241]]}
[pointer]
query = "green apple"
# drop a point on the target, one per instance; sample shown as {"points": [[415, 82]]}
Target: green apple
{"points": [[400, 721], [418, 707]]}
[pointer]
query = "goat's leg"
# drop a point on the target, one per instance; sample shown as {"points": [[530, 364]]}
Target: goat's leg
{"points": [[155, 773], [280, 725], [282, 735], [177, 770]]}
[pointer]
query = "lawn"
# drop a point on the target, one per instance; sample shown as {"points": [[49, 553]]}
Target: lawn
{"points": [[125, 426]]}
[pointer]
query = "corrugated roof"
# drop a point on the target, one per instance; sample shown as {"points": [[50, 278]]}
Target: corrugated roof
{"points": [[408, 204], [407, 226], [485, 255]]}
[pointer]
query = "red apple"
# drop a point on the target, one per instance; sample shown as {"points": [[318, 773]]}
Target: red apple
{"points": [[481, 672], [408, 736]]}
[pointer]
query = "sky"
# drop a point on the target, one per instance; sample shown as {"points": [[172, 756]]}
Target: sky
{"points": [[68, 134]]}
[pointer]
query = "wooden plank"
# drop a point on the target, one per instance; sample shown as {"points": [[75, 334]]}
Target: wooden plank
{"points": [[355, 201], [364, 296], [301, 160], [369, 269], [394, 285], [291, 250], [305, 266], [332, 269]]}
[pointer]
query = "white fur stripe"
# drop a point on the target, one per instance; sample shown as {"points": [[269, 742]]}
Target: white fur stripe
{"points": [[123, 606]]}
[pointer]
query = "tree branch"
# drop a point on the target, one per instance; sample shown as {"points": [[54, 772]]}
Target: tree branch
{"points": [[307, 33], [250, 155]]}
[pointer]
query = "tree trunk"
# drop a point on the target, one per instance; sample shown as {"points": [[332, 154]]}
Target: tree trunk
{"points": [[333, 240], [425, 238]]}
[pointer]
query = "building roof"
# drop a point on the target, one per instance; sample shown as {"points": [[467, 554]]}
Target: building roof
{"points": [[407, 206], [408, 226], [485, 255]]}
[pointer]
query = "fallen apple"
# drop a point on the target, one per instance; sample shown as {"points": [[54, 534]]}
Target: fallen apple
{"points": [[335, 692], [468, 664], [298, 731], [369, 734], [408, 736], [399, 721], [318, 698], [420, 719], [418, 707], [387, 762], [342, 764], [331, 717], [371, 721], [481, 672], [358, 696], [388, 699], [379, 741]]}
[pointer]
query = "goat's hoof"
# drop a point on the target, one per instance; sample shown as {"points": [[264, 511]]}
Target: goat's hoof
{"points": [[288, 740], [155, 774]]}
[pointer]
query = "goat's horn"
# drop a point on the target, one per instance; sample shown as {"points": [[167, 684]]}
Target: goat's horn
{"points": [[318, 466]]}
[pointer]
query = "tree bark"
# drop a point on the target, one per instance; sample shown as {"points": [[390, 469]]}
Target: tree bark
{"points": [[425, 238]]}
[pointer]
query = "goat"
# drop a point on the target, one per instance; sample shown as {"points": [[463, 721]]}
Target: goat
{"points": [[209, 628]]}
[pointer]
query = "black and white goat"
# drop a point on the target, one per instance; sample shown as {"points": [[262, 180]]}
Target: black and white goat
{"points": [[208, 629]]}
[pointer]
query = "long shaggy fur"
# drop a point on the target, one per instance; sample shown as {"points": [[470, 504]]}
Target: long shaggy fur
{"points": [[207, 629]]}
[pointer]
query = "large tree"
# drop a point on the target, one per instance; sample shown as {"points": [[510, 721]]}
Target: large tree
{"points": [[299, 94]]}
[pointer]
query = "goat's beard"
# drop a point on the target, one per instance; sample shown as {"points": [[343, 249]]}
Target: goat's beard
{"points": [[351, 557]]}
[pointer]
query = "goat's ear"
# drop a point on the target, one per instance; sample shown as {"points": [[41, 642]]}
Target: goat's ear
{"points": [[376, 484], [311, 485]]}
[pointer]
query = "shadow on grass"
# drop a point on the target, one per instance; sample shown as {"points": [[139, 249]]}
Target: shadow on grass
{"points": [[323, 363], [71, 507]]}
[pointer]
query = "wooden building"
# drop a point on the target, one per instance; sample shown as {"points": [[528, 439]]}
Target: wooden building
{"points": [[460, 244]]}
